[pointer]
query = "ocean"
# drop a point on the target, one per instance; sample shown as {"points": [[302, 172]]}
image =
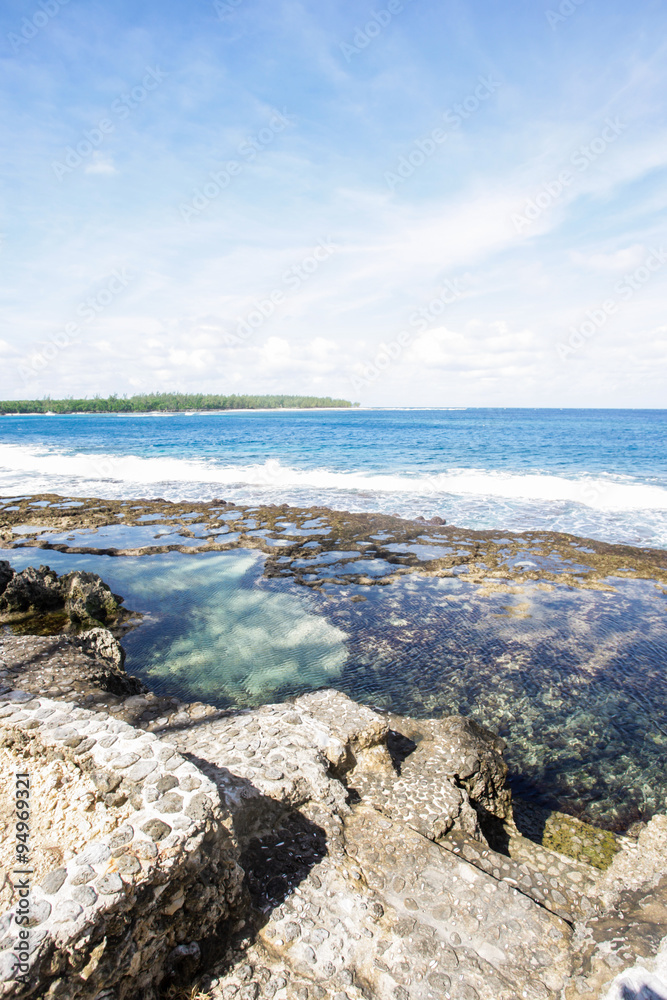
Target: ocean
{"points": [[595, 473], [573, 676]]}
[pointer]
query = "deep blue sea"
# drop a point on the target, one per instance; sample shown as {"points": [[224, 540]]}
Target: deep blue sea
{"points": [[597, 473]]}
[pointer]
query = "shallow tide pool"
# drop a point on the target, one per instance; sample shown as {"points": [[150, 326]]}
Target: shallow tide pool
{"points": [[575, 680]]}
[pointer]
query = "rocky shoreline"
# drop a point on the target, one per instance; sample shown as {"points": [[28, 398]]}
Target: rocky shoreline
{"points": [[310, 849], [555, 642], [316, 546]]}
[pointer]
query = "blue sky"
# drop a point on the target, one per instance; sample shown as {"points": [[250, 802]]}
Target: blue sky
{"points": [[406, 203]]}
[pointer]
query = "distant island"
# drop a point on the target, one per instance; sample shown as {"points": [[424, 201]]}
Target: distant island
{"points": [[168, 402]]}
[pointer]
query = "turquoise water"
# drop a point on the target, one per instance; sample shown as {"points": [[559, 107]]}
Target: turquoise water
{"points": [[574, 680], [595, 473], [209, 630]]}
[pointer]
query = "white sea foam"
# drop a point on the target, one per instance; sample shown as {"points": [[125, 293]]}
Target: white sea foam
{"points": [[604, 493]]}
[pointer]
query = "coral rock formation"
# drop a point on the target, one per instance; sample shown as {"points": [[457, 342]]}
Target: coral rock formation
{"points": [[82, 597], [301, 851]]}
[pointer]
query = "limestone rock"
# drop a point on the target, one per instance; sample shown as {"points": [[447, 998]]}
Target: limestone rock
{"points": [[101, 643], [32, 589], [115, 913], [471, 754], [6, 574], [367, 843], [445, 774], [326, 870], [266, 764], [83, 597], [88, 598], [345, 730], [68, 666], [621, 953], [638, 868]]}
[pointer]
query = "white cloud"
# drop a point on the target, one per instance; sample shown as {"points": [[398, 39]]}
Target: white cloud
{"points": [[624, 259], [494, 352], [196, 360], [100, 164], [452, 218]]}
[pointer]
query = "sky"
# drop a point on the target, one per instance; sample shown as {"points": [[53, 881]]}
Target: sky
{"points": [[406, 203]]}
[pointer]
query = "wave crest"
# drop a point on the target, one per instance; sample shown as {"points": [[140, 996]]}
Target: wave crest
{"points": [[604, 493]]}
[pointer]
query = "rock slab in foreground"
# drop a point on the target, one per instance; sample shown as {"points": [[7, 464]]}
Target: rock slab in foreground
{"points": [[123, 911], [356, 893], [362, 845]]}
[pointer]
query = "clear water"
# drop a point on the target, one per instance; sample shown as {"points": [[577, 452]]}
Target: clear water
{"points": [[210, 631], [576, 681], [595, 473]]}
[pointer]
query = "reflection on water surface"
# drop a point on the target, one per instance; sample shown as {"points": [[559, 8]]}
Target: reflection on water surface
{"points": [[575, 680]]}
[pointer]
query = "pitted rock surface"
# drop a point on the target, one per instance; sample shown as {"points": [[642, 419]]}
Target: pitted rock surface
{"points": [[621, 953], [347, 865], [32, 589], [432, 806], [83, 598], [476, 929], [464, 749], [560, 885], [86, 667], [99, 921], [363, 841], [346, 730], [446, 774], [266, 763]]}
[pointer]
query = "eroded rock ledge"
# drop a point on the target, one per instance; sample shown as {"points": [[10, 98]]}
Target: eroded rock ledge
{"points": [[306, 850], [316, 546]]}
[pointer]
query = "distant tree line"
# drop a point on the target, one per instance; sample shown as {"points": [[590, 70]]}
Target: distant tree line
{"points": [[170, 402]]}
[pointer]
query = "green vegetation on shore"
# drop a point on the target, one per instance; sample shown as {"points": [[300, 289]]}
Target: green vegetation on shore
{"points": [[171, 402]]}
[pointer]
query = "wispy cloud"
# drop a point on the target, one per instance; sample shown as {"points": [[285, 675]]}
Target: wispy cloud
{"points": [[100, 164], [220, 82]]}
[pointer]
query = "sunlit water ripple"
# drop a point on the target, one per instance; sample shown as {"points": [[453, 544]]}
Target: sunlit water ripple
{"points": [[575, 680]]}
